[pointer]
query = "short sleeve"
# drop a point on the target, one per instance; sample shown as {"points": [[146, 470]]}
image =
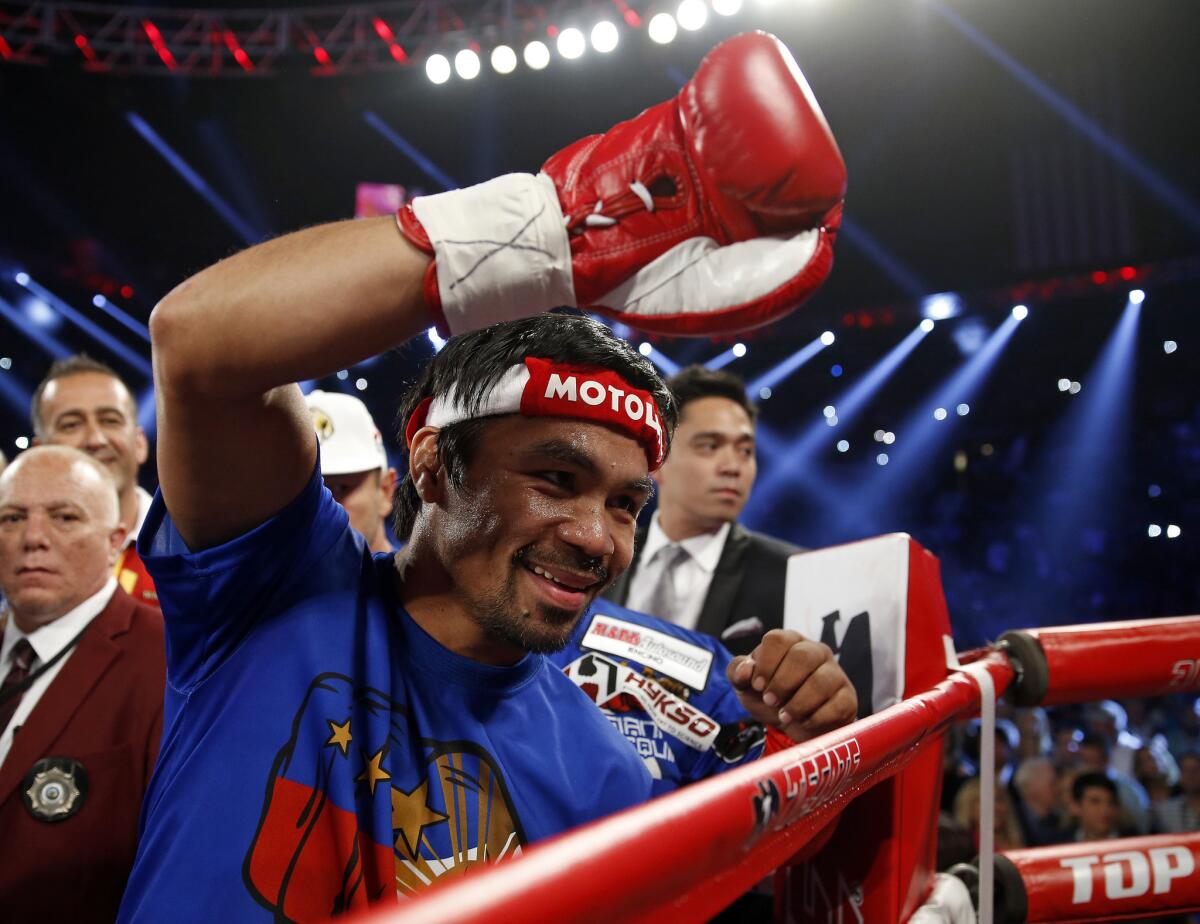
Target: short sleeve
{"points": [[211, 599]]}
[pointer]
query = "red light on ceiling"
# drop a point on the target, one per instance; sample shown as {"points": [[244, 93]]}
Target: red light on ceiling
{"points": [[848, 319], [552, 30], [1099, 277], [238, 52], [5, 48], [126, 291], [1128, 273], [632, 19], [383, 30], [160, 47], [81, 43], [865, 320], [398, 53], [322, 56]]}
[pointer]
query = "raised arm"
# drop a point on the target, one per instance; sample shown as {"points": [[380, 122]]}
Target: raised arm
{"points": [[714, 211], [235, 443]]}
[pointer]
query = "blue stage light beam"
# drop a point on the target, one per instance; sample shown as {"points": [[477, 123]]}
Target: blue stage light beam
{"points": [[919, 437], [781, 371], [1155, 183], [134, 359], [147, 412], [235, 221], [398, 141], [125, 320], [720, 361], [891, 266], [795, 464], [667, 365], [47, 341], [1085, 451]]}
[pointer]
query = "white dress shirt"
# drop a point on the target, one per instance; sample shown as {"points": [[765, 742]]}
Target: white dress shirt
{"points": [[692, 577], [144, 498], [47, 641]]}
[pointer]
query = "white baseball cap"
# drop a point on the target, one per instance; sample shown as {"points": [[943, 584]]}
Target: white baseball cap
{"points": [[350, 441]]}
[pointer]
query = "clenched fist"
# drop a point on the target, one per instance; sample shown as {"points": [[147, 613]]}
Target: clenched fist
{"points": [[794, 684]]}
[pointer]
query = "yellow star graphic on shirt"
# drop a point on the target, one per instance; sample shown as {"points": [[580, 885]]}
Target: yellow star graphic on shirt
{"points": [[340, 736], [373, 773], [410, 813]]}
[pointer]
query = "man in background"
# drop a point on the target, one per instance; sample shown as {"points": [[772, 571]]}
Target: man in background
{"points": [[82, 669], [354, 464], [83, 403], [695, 565]]}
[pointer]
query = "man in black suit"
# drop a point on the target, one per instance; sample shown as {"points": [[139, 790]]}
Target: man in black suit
{"points": [[694, 564]]}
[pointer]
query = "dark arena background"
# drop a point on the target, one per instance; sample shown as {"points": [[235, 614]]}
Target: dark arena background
{"points": [[999, 155]]}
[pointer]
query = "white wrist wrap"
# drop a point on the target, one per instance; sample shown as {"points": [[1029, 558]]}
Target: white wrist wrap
{"points": [[502, 250]]}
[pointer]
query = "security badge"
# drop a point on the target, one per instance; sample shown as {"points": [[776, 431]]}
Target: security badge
{"points": [[55, 789]]}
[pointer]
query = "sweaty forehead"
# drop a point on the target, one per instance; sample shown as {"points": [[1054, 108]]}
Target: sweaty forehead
{"points": [[606, 447]]}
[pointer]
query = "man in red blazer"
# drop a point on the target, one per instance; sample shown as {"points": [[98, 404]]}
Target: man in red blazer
{"points": [[82, 670]]}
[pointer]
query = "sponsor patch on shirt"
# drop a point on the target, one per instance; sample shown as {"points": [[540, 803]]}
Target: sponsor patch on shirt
{"points": [[668, 655]]}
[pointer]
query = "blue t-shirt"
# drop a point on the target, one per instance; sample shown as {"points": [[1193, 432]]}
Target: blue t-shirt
{"points": [[665, 689], [321, 751]]}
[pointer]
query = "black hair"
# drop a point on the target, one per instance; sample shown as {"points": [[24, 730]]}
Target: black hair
{"points": [[61, 369], [1091, 739], [695, 382], [1095, 779], [472, 364]]}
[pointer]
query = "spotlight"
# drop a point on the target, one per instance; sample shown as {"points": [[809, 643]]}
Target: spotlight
{"points": [[941, 306], [843, 445], [1173, 531], [571, 43], [466, 63], [939, 413], [1020, 312], [692, 14], [99, 301], [1154, 531], [537, 55], [830, 411], [888, 438], [739, 350], [605, 36], [1075, 388], [879, 436], [726, 7], [827, 338], [662, 28], [963, 410], [1170, 346], [22, 442], [434, 338], [881, 459], [644, 348], [1064, 384], [765, 392], [22, 279], [344, 374], [437, 68], [1136, 297], [504, 59], [360, 384], [1154, 490], [836, 370], [5, 363], [927, 325], [831, 420]]}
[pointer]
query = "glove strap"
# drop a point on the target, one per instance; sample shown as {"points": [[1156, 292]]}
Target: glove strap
{"points": [[501, 249]]}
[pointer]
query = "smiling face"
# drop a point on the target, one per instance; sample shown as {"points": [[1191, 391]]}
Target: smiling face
{"points": [[94, 412], [543, 522], [59, 535], [707, 477]]}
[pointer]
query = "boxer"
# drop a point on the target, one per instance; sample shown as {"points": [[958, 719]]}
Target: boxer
{"points": [[337, 729]]}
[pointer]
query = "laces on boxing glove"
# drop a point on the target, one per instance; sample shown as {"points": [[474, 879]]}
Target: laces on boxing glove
{"points": [[638, 197]]}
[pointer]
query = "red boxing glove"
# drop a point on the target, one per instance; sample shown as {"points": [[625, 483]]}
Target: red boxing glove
{"points": [[714, 211]]}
